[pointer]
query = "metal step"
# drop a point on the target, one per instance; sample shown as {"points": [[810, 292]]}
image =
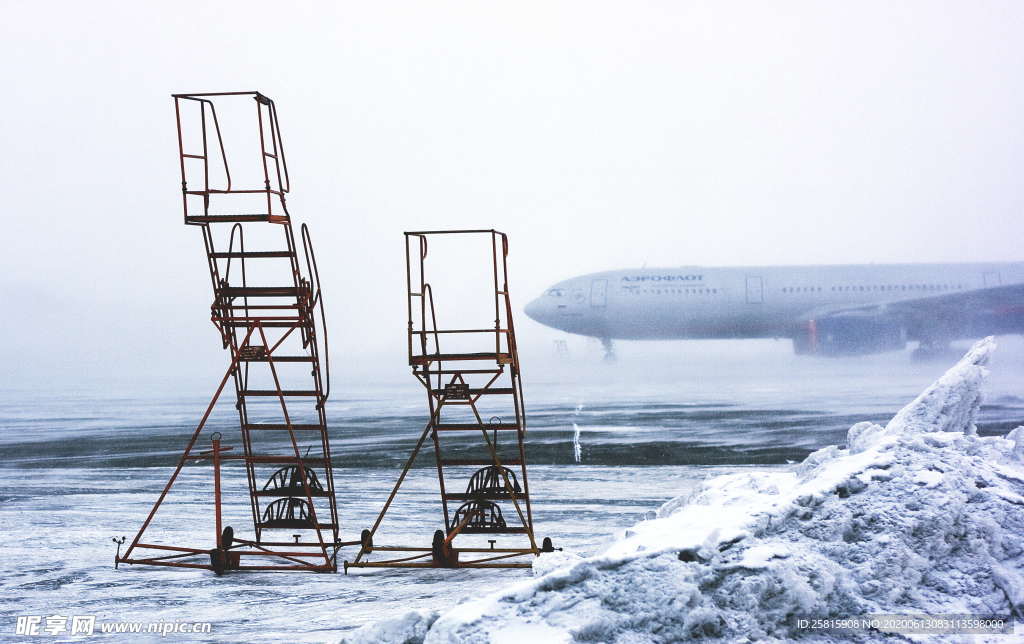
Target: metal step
{"points": [[277, 460], [495, 496], [501, 358], [296, 492], [476, 392], [478, 462], [283, 427], [227, 219], [251, 254], [459, 427], [258, 291], [307, 393], [278, 359], [294, 524], [451, 372], [270, 324], [509, 530]]}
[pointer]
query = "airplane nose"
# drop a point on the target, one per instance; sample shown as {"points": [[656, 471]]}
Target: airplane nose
{"points": [[535, 310]]}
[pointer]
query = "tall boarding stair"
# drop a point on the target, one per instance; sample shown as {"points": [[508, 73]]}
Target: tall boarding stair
{"points": [[268, 310]]}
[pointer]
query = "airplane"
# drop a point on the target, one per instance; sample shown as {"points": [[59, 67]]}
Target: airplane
{"points": [[832, 310]]}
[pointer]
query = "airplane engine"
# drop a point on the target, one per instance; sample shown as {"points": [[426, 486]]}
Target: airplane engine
{"points": [[850, 335]]}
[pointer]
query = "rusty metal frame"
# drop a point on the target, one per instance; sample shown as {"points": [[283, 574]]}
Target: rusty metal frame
{"points": [[447, 380], [243, 317]]}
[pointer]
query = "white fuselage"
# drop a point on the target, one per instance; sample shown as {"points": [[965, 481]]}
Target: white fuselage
{"points": [[743, 302]]}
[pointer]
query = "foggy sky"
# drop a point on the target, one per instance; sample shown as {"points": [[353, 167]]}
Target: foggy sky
{"points": [[598, 135]]}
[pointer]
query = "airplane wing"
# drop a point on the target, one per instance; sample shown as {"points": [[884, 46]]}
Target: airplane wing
{"points": [[941, 317]]}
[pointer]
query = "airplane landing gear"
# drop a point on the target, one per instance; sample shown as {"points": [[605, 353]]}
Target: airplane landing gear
{"points": [[928, 350], [609, 350]]}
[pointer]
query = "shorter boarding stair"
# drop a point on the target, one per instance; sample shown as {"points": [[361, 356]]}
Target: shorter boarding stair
{"points": [[496, 497]]}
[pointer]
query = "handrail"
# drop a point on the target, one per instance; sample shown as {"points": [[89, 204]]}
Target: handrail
{"points": [[500, 270], [220, 142], [314, 273], [231, 248], [429, 291], [241, 248], [216, 126], [280, 143]]}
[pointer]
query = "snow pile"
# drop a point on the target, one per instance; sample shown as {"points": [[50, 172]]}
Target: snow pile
{"points": [[921, 516]]}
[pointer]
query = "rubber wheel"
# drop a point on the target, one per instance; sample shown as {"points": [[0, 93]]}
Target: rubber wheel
{"points": [[227, 537], [218, 561], [546, 545], [437, 548], [366, 540]]}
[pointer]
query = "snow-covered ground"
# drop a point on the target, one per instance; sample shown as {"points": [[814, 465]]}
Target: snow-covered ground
{"points": [[921, 516]]}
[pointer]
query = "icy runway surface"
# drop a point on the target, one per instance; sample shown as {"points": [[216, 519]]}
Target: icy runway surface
{"points": [[83, 467], [919, 516]]}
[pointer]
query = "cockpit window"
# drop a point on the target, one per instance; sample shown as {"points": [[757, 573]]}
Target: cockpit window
{"points": [[556, 292]]}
